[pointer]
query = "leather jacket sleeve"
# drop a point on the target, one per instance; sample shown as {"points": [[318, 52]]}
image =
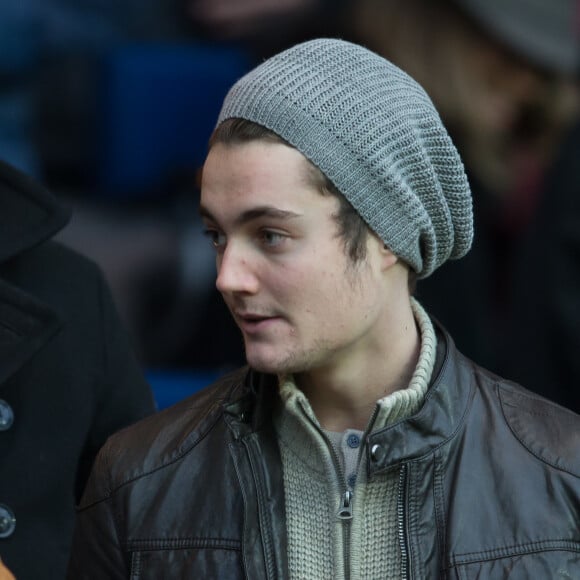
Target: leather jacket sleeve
{"points": [[101, 555]]}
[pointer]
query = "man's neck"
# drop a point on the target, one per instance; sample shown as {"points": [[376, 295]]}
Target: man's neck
{"points": [[344, 395]]}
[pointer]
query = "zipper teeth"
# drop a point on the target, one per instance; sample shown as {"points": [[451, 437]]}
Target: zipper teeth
{"points": [[346, 522], [401, 518], [335, 459], [263, 514], [346, 542]]}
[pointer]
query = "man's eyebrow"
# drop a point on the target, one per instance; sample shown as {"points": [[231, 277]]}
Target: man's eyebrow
{"points": [[254, 214]]}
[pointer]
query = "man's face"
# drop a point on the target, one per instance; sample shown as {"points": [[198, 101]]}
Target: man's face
{"points": [[299, 301]]}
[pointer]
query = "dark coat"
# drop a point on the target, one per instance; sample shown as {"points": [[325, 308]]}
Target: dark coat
{"points": [[490, 485], [68, 379]]}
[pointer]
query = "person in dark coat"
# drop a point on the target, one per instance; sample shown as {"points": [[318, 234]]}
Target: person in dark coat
{"points": [[68, 378]]}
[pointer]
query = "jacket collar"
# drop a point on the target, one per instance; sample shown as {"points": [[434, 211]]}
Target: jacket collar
{"points": [[445, 407], [29, 214], [439, 419], [251, 401]]}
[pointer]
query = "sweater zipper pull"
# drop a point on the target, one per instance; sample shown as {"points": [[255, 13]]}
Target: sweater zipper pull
{"points": [[345, 508]]}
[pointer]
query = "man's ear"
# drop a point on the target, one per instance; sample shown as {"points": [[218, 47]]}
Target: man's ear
{"points": [[388, 259]]}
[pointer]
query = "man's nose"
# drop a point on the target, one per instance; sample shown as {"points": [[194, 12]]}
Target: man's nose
{"points": [[235, 273]]}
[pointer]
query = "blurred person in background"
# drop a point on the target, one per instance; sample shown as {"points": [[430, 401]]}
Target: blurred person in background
{"points": [[264, 26], [504, 75], [68, 378]]}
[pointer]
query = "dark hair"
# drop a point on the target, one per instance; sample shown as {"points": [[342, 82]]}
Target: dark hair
{"points": [[352, 228]]}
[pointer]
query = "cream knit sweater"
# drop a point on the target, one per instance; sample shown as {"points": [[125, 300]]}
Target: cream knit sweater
{"points": [[320, 544]]}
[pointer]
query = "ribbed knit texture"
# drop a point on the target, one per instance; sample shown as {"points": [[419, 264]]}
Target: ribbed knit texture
{"points": [[374, 132], [311, 497], [313, 487], [407, 401]]}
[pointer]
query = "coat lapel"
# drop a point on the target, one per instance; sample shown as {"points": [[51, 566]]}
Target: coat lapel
{"points": [[25, 326], [29, 214]]}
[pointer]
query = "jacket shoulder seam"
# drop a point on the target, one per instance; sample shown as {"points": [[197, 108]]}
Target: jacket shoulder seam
{"points": [[110, 492], [526, 444]]}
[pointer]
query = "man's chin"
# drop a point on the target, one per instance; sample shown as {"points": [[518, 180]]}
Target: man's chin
{"points": [[268, 364]]}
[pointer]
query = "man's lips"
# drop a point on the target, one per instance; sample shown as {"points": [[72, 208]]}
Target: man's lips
{"points": [[251, 322]]}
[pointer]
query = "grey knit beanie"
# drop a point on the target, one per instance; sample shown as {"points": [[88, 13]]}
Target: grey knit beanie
{"points": [[374, 132]]}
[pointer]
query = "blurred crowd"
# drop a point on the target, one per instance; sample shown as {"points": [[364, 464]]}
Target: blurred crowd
{"points": [[110, 103]]}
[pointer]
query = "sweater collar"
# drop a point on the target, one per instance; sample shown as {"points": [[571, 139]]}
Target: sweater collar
{"points": [[446, 405], [406, 402], [29, 213]]}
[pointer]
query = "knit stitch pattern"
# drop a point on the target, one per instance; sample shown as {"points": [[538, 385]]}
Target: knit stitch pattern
{"points": [[406, 402], [380, 551], [374, 132], [310, 502]]}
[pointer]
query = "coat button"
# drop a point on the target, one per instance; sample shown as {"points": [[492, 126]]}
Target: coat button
{"points": [[6, 416], [7, 521], [377, 453]]}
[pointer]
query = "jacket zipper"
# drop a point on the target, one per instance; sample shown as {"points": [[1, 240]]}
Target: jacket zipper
{"points": [[345, 508], [402, 522], [265, 521], [345, 514]]}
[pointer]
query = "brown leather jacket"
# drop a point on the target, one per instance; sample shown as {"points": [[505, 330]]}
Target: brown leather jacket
{"points": [[490, 485]]}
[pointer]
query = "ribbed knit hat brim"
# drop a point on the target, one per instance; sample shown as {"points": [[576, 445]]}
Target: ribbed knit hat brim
{"points": [[374, 132]]}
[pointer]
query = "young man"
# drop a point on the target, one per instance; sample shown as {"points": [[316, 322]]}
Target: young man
{"points": [[359, 443]]}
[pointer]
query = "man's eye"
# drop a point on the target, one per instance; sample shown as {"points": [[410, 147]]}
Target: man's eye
{"points": [[270, 238], [216, 238]]}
